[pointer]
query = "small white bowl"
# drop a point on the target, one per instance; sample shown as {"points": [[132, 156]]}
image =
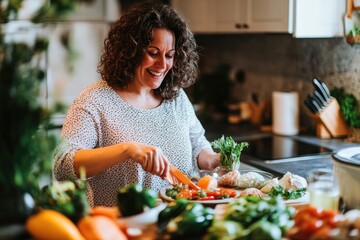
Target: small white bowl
{"points": [[142, 220]]}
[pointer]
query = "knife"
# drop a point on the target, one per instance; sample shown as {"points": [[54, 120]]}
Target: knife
{"points": [[318, 87], [326, 90], [314, 98], [320, 98], [316, 105], [322, 89], [310, 106]]}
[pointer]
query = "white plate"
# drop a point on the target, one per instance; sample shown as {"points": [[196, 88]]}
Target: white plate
{"points": [[144, 219], [293, 202], [209, 202]]}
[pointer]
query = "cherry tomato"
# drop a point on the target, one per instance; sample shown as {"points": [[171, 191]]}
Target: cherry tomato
{"points": [[311, 226], [186, 193], [193, 193], [322, 233], [216, 194], [313, 211]]}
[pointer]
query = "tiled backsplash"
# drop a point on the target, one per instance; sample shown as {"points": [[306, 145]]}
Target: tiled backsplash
{"points": [[279, 62]]}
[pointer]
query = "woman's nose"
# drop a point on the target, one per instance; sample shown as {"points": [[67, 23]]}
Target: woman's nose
{"points": [[161, 62]]}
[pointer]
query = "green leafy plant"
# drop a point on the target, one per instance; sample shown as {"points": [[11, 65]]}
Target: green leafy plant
{"points": [[25, 143], [349, 106], [230, 151]]}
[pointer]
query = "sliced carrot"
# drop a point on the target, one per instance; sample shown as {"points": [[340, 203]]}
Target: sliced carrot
{"points": [[110, 212]]}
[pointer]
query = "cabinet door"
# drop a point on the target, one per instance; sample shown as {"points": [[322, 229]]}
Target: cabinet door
{"points": [[319, 18], [269, 15], [230, 15], [253, 16], [199, 14]]}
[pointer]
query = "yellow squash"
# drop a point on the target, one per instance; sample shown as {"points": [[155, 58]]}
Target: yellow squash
{"points": [[52, 225]]}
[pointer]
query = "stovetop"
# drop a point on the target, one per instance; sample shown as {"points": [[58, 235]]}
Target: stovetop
{"points": [[275, 147]]}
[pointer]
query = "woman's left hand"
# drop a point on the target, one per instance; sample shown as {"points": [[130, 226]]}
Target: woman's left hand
{"points": [[208, 159]]}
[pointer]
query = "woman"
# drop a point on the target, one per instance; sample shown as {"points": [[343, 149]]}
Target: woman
{"points": [[131, 125]]}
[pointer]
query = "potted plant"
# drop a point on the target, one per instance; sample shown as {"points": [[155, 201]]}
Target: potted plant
{"points": [[25, 145], [230, 152]]}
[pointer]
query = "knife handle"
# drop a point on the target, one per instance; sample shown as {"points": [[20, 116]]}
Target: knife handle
{"points": [[314, 98], [326, 90], [310, 106], [319, 87], [322, 88], [321, 98]]}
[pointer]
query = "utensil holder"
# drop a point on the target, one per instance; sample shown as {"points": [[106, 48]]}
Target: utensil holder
{"points": [[330, 122]]}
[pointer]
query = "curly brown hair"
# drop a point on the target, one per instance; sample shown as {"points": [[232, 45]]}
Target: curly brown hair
{"points": [[133, 32]]}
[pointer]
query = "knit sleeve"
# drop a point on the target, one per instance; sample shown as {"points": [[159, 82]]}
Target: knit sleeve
{"points": [[196, 130], [80, 131]]}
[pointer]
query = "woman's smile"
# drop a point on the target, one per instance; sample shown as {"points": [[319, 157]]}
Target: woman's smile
{"points": [[157, 61]]}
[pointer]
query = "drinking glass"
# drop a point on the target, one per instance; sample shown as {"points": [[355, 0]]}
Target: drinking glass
{"points": [[323, 189]]}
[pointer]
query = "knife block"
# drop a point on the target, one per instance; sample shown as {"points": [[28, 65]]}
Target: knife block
{"points": [[330, 122]]}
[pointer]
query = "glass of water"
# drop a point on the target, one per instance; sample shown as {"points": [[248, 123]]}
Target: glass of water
{"points": [[323, 189]]}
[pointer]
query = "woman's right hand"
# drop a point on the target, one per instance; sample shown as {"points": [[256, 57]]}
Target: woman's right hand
{"points": [[151, 158]]}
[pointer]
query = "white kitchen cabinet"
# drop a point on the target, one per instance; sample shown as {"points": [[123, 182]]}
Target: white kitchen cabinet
{"points": [[319, 18], [231, 16], [302, 18], [199, 14], [253, 15]]}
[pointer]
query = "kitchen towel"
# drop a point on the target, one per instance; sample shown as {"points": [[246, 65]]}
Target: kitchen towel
{"points": [[285, 116]]}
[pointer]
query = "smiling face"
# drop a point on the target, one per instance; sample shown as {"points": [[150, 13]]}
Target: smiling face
{"points": [[157, 61]]}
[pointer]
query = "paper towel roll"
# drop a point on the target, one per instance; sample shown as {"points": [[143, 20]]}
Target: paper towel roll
{"points": [[285, 116]]}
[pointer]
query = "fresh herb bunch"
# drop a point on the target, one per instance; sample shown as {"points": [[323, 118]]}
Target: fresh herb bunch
{"points": [[229, 150], [287, 194], [349, 106]]}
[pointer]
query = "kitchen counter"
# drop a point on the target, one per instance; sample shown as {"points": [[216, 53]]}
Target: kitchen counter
{"points": [[299, 165]]}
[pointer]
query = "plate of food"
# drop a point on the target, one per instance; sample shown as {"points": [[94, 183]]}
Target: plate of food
{"points": [[240, 183], [204, 196]]}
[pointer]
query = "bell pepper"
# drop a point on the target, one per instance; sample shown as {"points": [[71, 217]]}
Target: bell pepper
{"points": [[192, 222], [172, 210], [132, 199]]}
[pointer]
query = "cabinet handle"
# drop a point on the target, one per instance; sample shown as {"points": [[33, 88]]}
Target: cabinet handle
{"points": [[245, 25], [238, 25]]}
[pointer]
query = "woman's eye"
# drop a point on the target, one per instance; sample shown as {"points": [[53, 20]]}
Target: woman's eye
{"points": [[152, 53], [170, 56]]}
